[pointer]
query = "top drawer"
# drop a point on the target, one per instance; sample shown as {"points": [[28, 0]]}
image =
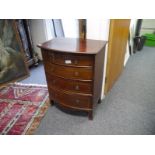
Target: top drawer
{"points": [[68, 59]]}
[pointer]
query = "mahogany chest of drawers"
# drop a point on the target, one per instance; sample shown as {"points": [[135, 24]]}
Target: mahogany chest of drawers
{"points": [[74, 72]]}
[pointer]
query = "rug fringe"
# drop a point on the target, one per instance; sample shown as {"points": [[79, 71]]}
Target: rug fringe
{"points": [[30, 84], [41, 103], [37, 119]]}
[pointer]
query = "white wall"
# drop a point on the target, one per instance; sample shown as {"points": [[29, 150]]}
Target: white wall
{"points": [[148, 23], [71, 28], [41, 32], [148, 26], [98, 29], [132, 31], [133, 25], [127, 55], [49, 30]]}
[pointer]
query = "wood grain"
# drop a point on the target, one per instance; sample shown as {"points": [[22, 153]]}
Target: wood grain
{"points": [[76, 85], [74, 45], [119, 31]]}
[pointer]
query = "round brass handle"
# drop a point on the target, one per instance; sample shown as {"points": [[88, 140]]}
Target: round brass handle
{"points": [[77, 101], [76, 73], [76, 87], [53, 82], [52, 69]]}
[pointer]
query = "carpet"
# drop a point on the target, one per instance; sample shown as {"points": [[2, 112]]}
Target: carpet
{"points": [[128, 109], [22, 106]]}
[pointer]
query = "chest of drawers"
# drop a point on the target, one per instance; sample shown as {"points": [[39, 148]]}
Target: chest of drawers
{"points": [[74, 72]]}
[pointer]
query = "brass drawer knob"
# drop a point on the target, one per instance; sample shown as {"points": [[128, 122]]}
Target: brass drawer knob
{"points": [[77, 101], [53, 81], [76, 87], [76, 73], [52, 69]]}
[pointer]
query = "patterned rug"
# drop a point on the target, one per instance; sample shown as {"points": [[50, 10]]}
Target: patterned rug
{"points": [[22, 106]]}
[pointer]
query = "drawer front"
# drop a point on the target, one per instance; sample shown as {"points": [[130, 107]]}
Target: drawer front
{"points": [[69, 72], [69, 59], [71, 100], [69, 85]]}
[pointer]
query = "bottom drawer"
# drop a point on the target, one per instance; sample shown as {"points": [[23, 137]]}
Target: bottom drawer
{"points": [[73, 101]]}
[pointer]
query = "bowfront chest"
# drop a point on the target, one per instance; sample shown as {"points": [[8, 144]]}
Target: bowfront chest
{"points": [[74, 72]]}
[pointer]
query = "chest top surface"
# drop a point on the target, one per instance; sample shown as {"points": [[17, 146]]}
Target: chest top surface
{"points": [[74, 45]]}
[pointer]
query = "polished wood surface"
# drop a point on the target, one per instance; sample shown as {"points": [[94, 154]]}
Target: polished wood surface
{"points": [[70, 85], [98, 75], [119, 31], [70, 45], [85, 74], [75, 76], [74, 60], [72, 100]]}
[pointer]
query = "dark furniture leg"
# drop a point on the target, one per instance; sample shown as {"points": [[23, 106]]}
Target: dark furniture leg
{"points": [[52, 102], [99, 101], [90, 115]]}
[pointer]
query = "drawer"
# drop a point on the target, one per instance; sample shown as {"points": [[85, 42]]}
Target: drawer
{"points": [[71, 100], [69, 59], [69, 72], [69, 85]]}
